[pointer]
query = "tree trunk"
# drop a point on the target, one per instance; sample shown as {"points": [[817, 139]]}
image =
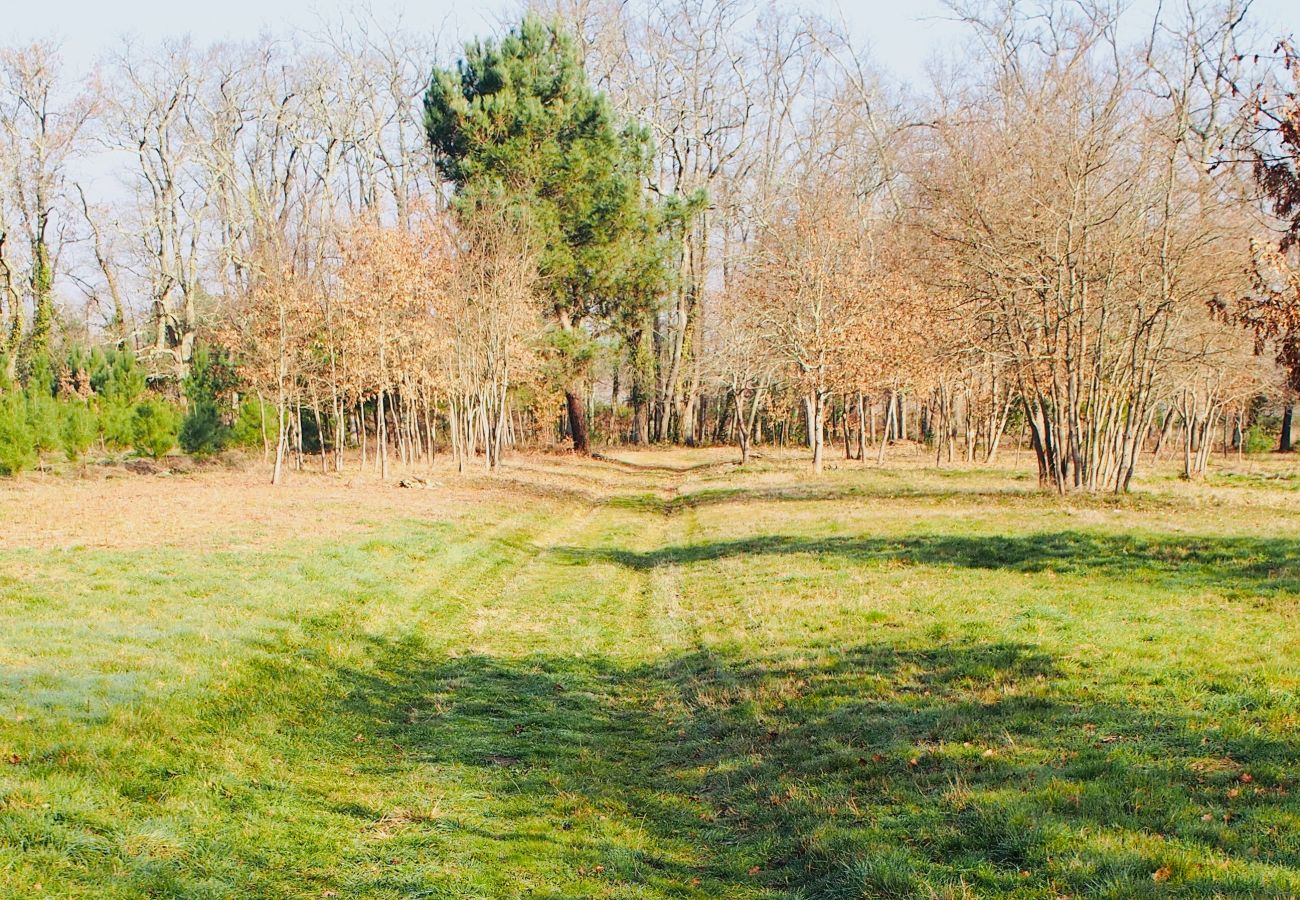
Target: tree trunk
{"points": [[577, 423], [282, 426], [817, 412], [890, 408], [742, 428], [862, 429], [381, 436], [1284, 439]]}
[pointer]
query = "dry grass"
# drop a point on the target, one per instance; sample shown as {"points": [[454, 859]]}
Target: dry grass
{"points": [[212, 508]]}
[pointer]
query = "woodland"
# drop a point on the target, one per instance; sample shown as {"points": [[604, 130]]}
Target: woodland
{"points": [[648, 450], [690, 223]]}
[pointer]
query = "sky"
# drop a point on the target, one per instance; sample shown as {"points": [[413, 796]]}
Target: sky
{"points": [[902, 34]]}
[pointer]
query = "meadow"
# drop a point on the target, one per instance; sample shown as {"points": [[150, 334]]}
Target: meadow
{"points": [[655, 675]]}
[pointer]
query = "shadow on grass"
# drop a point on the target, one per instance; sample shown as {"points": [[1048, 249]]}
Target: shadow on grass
{"points": [[1262, 565], [667, 503], [877, 773], [637, 467], [948, 770]]}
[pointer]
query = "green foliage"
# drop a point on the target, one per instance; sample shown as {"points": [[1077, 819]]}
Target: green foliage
{"points": [[247, 430], [208, 386], [43, 421], [202, 431], [43, 314], [568, 354], [17, 443], [42, 409], [118, 382], [40, 376], [116, 377], [116, 423], [77, 428], [518, 122], [1258, 440], [154, 427]]}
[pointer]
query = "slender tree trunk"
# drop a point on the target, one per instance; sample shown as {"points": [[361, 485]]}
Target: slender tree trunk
{"points": [[862, 429], [361, 428], [817, 410], [266, 440], [282, 427], [888, 429], [381, 437]]}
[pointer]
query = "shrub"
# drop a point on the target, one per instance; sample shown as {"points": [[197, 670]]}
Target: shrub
{"points": [[118, 383], [17, 445], [77, 428], [115, 377], [43, 420], [203, 433], [154, 427], [117, 423], [247, 430], [1257, 440], [208, 386]]}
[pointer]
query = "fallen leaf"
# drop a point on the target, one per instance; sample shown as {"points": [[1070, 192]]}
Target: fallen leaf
{"points": [[1161, 874]]}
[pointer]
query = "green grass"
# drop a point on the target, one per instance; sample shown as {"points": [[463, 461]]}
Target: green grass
{"points": [[663, 678]]}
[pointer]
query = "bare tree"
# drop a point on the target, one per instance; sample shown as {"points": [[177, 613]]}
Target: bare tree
{"points": [[44, 120]]}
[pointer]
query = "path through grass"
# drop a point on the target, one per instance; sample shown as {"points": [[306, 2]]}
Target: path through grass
{"points": [[659, 677]]}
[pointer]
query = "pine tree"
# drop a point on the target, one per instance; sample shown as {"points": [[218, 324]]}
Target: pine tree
{"points": [[517, 122]]}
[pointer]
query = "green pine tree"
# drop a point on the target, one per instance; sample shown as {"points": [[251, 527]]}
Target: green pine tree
{"points": [[517, 122]]}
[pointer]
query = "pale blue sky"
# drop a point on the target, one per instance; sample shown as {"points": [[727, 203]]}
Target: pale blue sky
{"points": [[902, 34]]}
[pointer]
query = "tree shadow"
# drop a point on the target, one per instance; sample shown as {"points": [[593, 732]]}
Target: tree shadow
{"points": [[665, 502], [638, 467], [949, 769], [815, 493], [1256, 565], [876, 772]]}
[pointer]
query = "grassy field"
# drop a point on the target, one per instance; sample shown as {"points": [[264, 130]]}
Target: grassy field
{"points": [[652, 677]]}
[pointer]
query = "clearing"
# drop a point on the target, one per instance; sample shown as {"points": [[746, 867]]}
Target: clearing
{"points": [[657, 676]]}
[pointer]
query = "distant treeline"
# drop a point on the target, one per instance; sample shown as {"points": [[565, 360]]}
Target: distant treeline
{"points": [[660, 222]]}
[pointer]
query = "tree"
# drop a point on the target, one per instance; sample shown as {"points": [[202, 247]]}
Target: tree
{"points": [[1068, 188], [490, 324], [42, 128], [1270, 306], [517, 122], [209, 387], [811, 283], [742, 361]]}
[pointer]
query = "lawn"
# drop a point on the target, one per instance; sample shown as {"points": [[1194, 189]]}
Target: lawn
{"points": [[650, 676]]}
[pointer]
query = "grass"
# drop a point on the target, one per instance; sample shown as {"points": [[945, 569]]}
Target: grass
{"points": [[655, 676]]}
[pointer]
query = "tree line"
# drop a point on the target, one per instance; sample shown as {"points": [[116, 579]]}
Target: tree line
{"points": [[694, 221]]}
